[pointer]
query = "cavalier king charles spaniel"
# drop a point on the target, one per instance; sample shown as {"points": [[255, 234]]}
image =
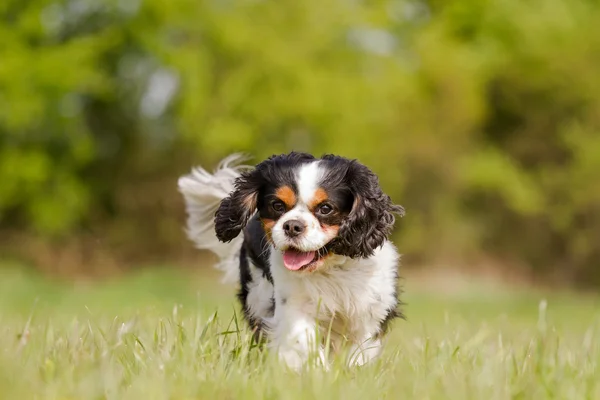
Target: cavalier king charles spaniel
{"points": [[307, 240]]}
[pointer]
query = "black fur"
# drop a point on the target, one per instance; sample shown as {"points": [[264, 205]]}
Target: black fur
{"points": [[235, 210], [371, 219], [245, 280], [256, 250], [257, 247]]}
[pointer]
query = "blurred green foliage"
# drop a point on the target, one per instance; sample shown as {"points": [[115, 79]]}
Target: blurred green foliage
{"points": [[481, 117]]}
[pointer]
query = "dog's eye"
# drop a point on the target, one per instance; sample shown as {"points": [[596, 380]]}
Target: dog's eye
{"points": [[278, 206], [325, 209]]}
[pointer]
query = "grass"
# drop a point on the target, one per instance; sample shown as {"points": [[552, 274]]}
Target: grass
{"points": [[165, 334]]}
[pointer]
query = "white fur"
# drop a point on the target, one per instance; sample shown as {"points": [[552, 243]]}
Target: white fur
{"points": [[315, 237], [260, 293], [308, 178], [202, 193], [356, 293], [343, 300]]}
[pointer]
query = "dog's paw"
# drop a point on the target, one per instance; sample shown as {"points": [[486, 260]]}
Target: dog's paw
{"points": [[298, 360], [292, 359], [363, 354], [358, 360]]}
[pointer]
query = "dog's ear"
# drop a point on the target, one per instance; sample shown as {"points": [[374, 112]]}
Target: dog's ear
{"points": [[371, 218], [236, 209]]}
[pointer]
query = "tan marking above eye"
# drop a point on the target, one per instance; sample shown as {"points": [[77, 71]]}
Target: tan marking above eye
{"points": [[287, 195], [319, 197]]}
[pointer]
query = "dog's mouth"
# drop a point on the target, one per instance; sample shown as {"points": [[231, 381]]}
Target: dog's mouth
{"points": [[296, 260]]}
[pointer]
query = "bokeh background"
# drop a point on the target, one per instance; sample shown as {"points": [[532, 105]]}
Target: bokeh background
{"points": [[482, 118]]}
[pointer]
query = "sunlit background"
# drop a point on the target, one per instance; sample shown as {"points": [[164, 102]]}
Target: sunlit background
{"points": [[481, 117]]}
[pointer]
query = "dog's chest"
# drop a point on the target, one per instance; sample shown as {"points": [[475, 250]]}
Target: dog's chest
{"points": [[350, 294], [354, 294]]}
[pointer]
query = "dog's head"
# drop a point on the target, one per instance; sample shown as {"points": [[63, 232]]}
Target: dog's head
{"points": [[311, 208]]}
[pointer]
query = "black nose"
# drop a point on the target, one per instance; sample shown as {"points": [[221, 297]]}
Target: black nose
{"points": [[293, 227]]}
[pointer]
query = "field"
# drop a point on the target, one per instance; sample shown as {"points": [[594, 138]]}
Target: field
{"points": [[168, 334]]}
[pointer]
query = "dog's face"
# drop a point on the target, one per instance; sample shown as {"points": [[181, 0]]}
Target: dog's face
{"points": [[303, 214], [311, 208]]}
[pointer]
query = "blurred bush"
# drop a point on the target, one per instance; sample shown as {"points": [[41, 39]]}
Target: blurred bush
{"points": [[481, 117]]}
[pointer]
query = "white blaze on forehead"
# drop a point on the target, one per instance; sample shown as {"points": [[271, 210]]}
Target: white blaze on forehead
{"points": [[308, 181], [314, 237]]}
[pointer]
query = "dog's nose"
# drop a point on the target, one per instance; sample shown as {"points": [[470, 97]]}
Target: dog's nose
{"points": [[293, 227]]}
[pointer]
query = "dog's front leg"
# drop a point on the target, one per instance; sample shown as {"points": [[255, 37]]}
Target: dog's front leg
{"points": [[366, 341], [365, 351], [295, 337]]}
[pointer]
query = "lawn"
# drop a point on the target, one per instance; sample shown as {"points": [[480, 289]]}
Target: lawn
{"points": [[168, 334]]}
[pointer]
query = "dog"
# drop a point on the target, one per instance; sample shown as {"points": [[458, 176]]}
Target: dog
{"points": [[307, 239]]}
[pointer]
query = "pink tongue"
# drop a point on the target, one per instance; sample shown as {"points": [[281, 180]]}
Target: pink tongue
{"points": [[294, 260]]}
